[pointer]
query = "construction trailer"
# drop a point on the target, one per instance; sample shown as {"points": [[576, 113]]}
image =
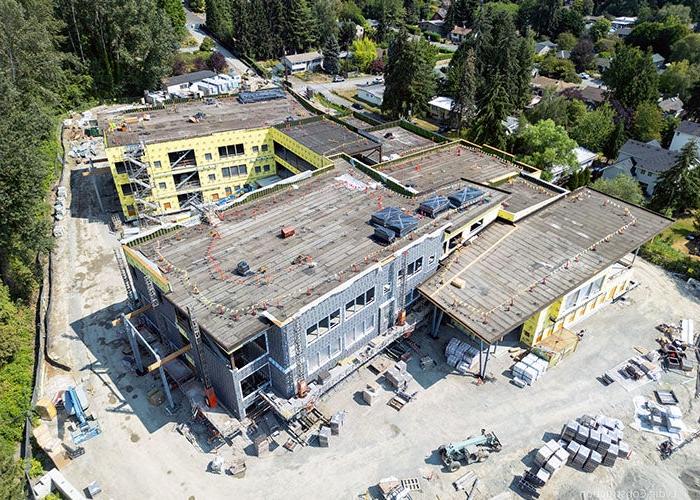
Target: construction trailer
{"points": [[315, 305]]}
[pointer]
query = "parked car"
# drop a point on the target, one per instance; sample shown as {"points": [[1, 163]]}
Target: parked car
{"points": [[357, 105], [379, 79], [338, 78]]}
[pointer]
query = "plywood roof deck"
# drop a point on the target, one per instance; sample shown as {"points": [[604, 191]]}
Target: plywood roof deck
{"points": [[333, 242], [513, 271], [329, 138], [398, 140], [436, 167], [173, 122]]}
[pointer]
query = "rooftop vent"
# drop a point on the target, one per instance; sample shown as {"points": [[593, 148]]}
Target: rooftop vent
{"points": [[243, 269], [433, 206], [381, 217], [383, 234], [466, 197], [402, 225]]}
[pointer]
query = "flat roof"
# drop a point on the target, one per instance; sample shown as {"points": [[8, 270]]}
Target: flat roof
{"points": [[174, 121], [356, 122], [527, 191], [333, 243], [329, 138], [399, 141], [455, 161], [512, 271]]}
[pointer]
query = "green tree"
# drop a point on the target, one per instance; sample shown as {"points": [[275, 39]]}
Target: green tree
{"points": [[559, 69], [675, 13], [551, 107], [566, 41], [461, 85], [624, 187], [687, 48], [331, 62], [583, 7], [325, 14], [678, 188], [461, 13], [409, 77], [346, 34], [545, 145], [176, 13], [495, 106], [300, 26], [692, 105], [207, 44], [219, 19], [541, 15], [568, 20], [632, 77], [390, 14], [600, 29], [615, 141], [647, 122], [10, 478], [364, 51], [594, 128], [658, 37], [678, 79], [199, 6]]}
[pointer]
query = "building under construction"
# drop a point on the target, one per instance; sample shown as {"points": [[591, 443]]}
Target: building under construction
{"points": [[284, 295]]}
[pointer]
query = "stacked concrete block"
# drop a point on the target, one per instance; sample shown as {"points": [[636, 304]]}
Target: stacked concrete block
{"points": [[582, 434], [593, 439], [543, 475], [605, 442], [460, 355], [543, 455], [536, 363], [524, 372], [594, 460], [568, 432], [397, 377], [572, 449], [337, 423], [370, 395], [624, 450], [581, 456], [610, 456]]}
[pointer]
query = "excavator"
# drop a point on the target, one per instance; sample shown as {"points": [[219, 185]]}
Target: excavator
{"points": [[473, 449]]}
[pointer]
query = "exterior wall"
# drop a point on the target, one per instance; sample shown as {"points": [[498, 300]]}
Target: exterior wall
{"points": [[354, 330], [209, 164], [369, 97], [645, 177], [462, 233], [300, 150], [555, 317]]}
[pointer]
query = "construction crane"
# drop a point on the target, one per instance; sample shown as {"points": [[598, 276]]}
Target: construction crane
{"points": [[209, 393]]}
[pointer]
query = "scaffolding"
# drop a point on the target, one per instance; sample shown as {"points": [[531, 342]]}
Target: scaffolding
{"points": [[141, 183]]}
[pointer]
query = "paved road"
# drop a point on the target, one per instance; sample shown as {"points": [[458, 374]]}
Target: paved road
{"points": [[193, 21]]}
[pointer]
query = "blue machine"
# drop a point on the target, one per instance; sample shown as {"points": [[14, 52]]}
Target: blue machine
{"points": [[86, 430]]}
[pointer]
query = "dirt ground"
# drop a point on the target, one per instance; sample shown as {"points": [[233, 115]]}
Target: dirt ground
{"points": [[140, 455]]}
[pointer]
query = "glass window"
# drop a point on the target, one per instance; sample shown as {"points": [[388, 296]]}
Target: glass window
{"points": [[258, 169], [369, 296], [387, 288], [207, 156], [571, 300], [312, 333], [335, 318], [126, 189], [323, 326], [162, 185], [360, 300], [212, 177], [349, 308], [431, 259], [419, 264], [226, 171], [265, 147], [228, 190], [255, 149], [120, 167], [266, 168], [242, 170], [156, 164]]}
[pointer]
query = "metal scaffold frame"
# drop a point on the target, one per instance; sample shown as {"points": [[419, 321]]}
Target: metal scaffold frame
{"points": [[140, 180]]}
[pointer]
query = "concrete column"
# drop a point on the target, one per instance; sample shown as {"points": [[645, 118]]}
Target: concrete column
{"points": [[166, 388], [134, 344]]}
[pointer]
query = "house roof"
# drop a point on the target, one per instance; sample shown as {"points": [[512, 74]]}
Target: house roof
{"points": [[672, 104], [657, 58], [512, 271], [591, 94], [690, 128], [445, 103], [583, 155], [188, 78], [647, 156], [376, 90], [304, 57], [460, 30], [557, 85]]}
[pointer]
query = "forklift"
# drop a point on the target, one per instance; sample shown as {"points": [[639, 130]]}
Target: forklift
{"points": [[473, 449]]}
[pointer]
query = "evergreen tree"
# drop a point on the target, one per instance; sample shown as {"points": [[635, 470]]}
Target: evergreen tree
{"points": [[494, 107], [219, 19], [325, 15], [461, 13], [678, 188], [615, 141], [409, 77], [461, 84], [300, 26], [692, 106], [632, 77], [331, 50], [176, 13], [623, 186]]}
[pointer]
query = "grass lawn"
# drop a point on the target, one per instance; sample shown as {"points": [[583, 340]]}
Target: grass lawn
{"points": [[676, 236]]}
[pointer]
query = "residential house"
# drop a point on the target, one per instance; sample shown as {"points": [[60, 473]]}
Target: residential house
{"points": [[298, 63], [602, 64], [441, 108], [659, 61], [219, 84], [511, 124], [540, 83], [671, 106], [458, 34], [643, 161], [433, 26], [440, 15], [374, 94], [180, 85], [624, 31], [563, 54], [584, 160], [687, 131], [590, 95], [543, 48], [623, 22]]}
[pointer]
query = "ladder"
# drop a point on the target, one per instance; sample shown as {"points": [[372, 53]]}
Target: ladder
{"points": [[130, 294], [299, 371], [151, 289], [209, 394]]}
